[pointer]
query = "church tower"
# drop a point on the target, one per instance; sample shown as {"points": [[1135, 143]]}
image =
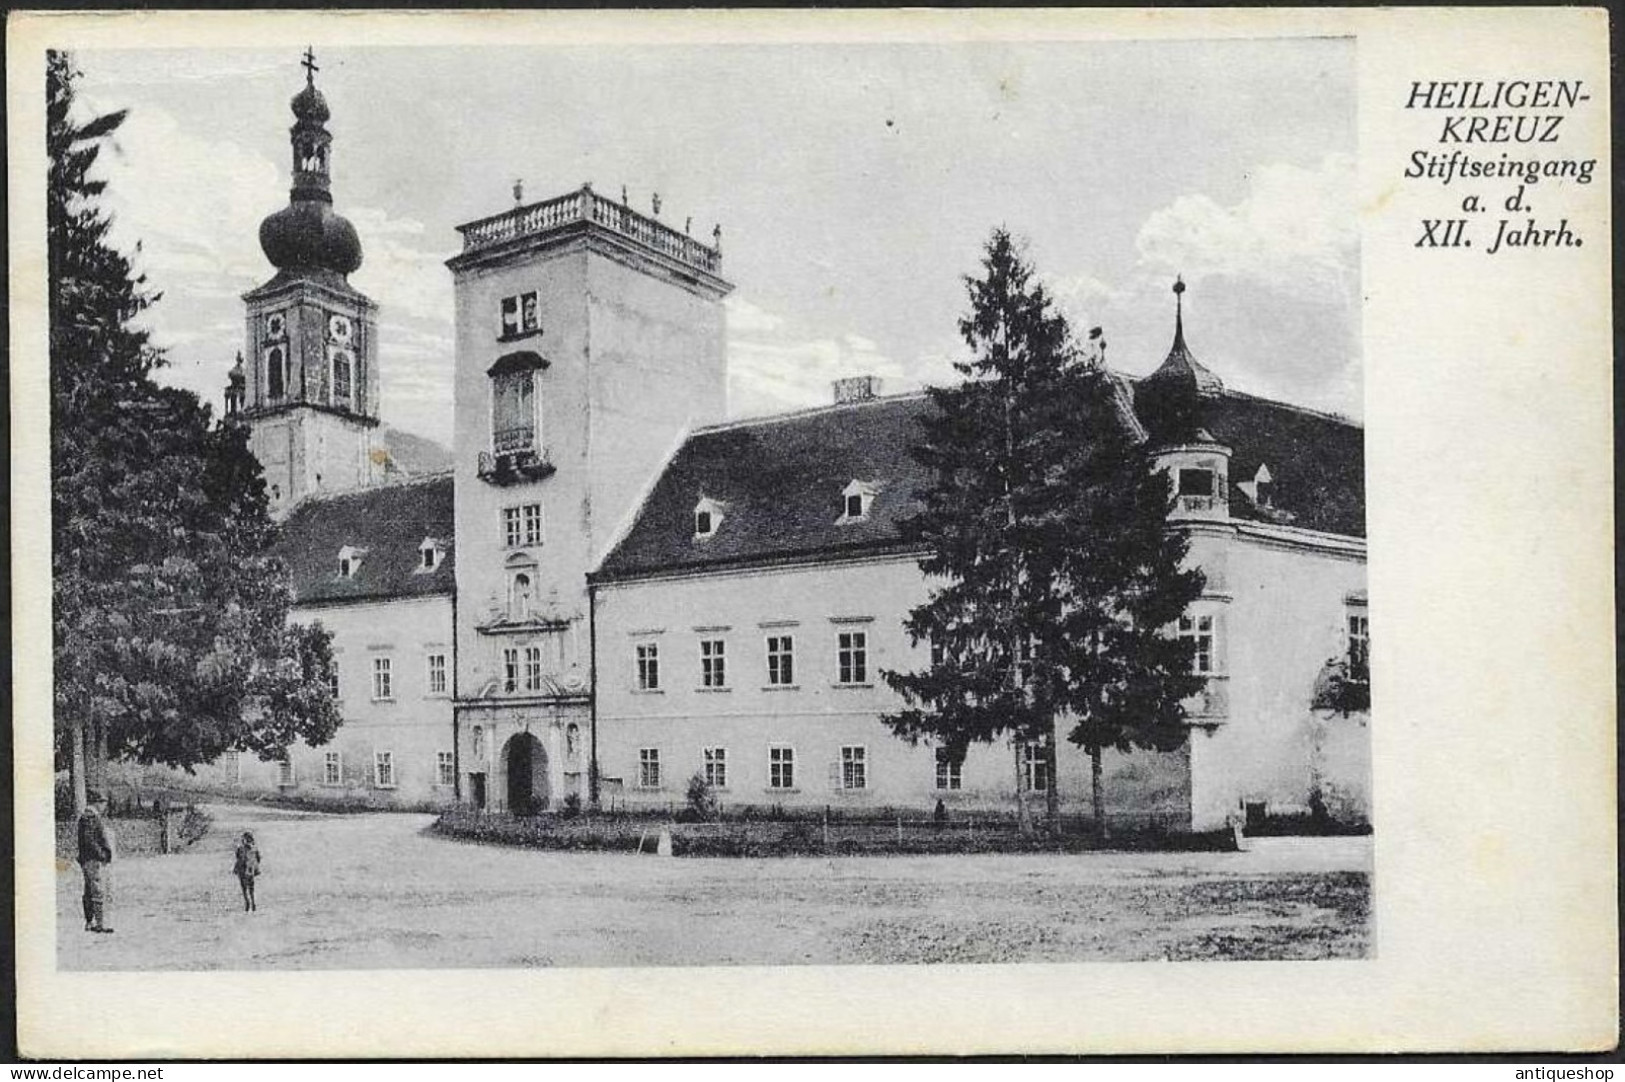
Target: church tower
{"points": [[310, 392]]}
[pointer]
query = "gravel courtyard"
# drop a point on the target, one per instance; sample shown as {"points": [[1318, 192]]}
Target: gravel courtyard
{"points": [[374, 891]]}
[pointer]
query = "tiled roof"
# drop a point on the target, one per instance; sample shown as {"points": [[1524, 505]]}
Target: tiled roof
{"points": [[1316, 462], [389, 522], [780, 480]]}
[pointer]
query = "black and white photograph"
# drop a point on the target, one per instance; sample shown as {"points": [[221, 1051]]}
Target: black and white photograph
{"points": [[639, 504]]}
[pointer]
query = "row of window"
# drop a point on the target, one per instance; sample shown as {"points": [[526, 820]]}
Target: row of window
{"points": [[852, 654], [850, 772], [851, 661], [382, 776], [383, 677]]}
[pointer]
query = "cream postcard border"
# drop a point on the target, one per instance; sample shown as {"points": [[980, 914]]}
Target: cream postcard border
{"points": [[1490, 494]]}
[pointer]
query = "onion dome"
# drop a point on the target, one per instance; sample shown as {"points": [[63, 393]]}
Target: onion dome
{"points": [[307, 235], [309, 105]]}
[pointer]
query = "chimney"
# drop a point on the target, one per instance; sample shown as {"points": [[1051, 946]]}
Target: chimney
{"points": [[856, 389]]}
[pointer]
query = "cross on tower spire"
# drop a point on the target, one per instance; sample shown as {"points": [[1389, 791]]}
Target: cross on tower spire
{"points": [[309, 64]]}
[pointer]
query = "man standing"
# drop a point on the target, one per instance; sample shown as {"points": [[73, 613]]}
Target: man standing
{"points": [[95, 852]]}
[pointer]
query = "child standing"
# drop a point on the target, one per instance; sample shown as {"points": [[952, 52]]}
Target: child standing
{"points": [[247, 869]]}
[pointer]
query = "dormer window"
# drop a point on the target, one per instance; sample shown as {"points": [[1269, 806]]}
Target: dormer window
{"points": [[707, 518], [856, 498], [430, 553], [350, 561], [1259, 488]]}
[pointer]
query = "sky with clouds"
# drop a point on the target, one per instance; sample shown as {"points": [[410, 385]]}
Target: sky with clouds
{"points": [[855, 186]]}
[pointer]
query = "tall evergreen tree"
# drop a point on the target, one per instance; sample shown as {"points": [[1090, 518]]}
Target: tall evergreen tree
{"points": [[1047, 534], [171, 636]]}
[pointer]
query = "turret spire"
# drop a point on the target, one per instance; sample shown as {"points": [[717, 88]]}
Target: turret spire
{"points": [[1179, 312]]}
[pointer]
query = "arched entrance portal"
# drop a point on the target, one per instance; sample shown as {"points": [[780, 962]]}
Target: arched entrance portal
{"points": [[525, 761]]}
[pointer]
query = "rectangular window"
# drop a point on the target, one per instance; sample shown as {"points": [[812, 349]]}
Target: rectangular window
{"points": [[284, 771], [1359, 646], [1199, 630], [533, 668], [513, 412], [1035, 765], [854, 767], [648, 666], [511, 535], [713, 663], [332, 768], [510, 669], [521, 314], [1195, 482], [852, 657], [948, 776], [648, 768], [446, 768], [381, 686], [716, 767], [533, 523], [233, 763], [383, 769], [437, 674], [781, 670], [781, 768], [333, 679]]}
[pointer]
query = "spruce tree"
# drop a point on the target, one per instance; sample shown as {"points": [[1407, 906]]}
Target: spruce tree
{"points": [[1055, 574], [171, 638]]}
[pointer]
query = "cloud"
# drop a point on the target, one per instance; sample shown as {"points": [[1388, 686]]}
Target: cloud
{"points": [[770, 369], [1296, 232], [194, 207]]}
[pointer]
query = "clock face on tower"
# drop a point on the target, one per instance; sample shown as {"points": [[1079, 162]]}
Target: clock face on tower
{"points": [[276, 325], [338, 328]]}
